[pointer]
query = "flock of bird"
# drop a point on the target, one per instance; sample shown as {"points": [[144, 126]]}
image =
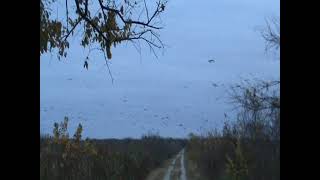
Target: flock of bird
{"points": [[164, 119]]}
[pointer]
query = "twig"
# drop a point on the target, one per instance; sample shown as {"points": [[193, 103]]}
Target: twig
{"points": [[105, 57], [131, 21], [145, 5], [67, 16]]}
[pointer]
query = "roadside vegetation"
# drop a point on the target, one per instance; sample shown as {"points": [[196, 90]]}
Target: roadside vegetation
{"points": [[247, 147], [63, 157]]}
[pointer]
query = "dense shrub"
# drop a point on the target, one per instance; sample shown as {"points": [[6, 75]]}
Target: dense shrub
{"points": [[62, 157]]}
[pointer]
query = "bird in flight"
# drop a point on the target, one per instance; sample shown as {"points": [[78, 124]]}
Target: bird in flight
{"points": [[211, 61], [214, 85], [86, 65]]}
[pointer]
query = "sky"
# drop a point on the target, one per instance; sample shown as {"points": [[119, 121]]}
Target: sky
{"points": [[152, 94]]}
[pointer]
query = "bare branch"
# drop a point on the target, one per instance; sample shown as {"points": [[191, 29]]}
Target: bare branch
{"points": [[105, 57], [67, 12], [145, 5], [129, 21], [271, 34], [73, 28]]}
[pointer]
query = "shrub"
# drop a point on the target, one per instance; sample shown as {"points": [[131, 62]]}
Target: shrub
{"points": [[62, 157]]}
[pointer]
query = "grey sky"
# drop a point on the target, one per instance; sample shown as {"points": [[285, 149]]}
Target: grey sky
{"points": [[159, 94]]}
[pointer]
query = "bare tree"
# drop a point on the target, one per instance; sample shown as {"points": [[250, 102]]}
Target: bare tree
{"points": [[259, 108], [271, 33]]}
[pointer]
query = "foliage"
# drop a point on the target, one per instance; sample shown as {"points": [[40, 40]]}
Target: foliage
{"points": [[237, 168], [51, 31], [62, 157], [105, 23]]}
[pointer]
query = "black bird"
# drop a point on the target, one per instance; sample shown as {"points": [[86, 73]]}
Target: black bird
{"points": [[86, 65], [211, 61], [214, 85]]}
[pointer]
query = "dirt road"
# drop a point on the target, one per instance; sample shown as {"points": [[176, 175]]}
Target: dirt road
{"points": [[173, 169]]}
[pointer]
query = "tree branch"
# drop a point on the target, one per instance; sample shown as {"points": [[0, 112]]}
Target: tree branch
{"points": [[131, 21], [145, 5], [73, 28]]}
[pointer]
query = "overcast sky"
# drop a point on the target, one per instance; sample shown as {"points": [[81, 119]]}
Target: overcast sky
{"points": [[150, 94]]}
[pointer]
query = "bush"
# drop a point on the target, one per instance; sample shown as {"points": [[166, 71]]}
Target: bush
{"points": [[62, 157]]}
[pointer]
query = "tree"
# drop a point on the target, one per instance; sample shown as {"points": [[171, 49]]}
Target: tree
{"points": [[259, 105], [105, 24], [271, 33]]}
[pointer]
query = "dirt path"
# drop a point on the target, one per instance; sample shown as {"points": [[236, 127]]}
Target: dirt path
{"points": [[167, 176], [173, 169], [183, 175]]}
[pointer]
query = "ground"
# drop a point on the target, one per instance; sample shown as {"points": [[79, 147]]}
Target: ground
{"points": [[176, 168]]}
